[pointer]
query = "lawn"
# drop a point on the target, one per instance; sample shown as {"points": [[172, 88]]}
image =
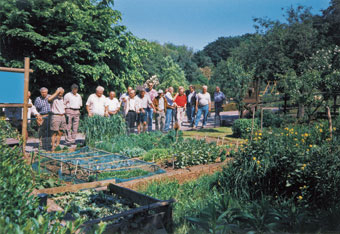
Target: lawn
{"points": [[214, 133]]}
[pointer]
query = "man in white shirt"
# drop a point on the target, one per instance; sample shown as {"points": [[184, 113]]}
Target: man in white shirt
{"points": [[58, 120], [73, 102], [131, 109], [170, 108], [112, 105], [124, 96], [144, 104], [203, 105], [95, 104]]}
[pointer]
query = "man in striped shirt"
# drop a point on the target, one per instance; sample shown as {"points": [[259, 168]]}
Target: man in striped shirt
{"points": [[44, 108]]}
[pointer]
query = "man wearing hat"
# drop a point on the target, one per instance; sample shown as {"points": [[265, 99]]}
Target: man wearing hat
{"points": [[160, 103]]}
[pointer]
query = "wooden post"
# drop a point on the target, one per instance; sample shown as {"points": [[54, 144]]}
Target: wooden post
{"points": [[261, 119], [334, 107], [24, 116], [329, 121], [252, 124]]}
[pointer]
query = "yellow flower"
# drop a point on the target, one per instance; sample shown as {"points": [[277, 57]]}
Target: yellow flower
{"points": [[260, 138], [260, 134], [300, 197], [303, 141], [334, 129], [258, 162], [255, 133], [297, 145], [321, 130], [254, 158], [286, 129], [310, 146], [307, 150], [306, 135], [295, 133]]}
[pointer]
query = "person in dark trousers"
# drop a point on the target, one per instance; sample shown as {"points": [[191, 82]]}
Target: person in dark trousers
{"points": [[219, 97], [131, 109], [191, 104]]}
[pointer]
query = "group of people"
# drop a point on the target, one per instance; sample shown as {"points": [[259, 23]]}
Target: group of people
{"points": [[58, 113]]}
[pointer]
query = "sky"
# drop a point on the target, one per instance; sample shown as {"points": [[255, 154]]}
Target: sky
{"points": [[195, 23]]}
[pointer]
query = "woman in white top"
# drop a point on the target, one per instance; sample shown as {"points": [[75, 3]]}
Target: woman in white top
{"points": [[203, 106]]}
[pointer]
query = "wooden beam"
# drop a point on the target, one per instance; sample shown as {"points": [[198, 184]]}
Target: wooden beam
{"points": [[11, 69], [140, 209], [25, 110], [138, 198], [75, 187], [13, 105]]}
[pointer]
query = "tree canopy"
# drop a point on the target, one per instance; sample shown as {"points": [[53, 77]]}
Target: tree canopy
{"points": [[70, 41]]}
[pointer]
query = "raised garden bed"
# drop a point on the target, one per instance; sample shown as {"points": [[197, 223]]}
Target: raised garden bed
{"points": [[123, 210]]}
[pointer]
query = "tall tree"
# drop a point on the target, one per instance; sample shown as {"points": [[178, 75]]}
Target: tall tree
{"points": [[233, 80], [221, 48], [70, 41]]}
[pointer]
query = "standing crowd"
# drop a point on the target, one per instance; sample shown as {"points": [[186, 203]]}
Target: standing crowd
{"points": [[59, 114]]}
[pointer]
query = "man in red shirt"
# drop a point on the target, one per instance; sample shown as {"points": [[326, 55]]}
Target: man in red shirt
{"points": [[181, 103]]}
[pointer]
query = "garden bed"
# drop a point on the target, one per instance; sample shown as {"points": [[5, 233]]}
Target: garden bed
{"points": [[120, 208]]}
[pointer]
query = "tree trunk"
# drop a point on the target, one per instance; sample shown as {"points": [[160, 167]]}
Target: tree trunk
{"points": [[301, 111]]}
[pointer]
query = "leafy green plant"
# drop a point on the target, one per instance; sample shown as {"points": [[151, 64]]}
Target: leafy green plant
{"points": [[98, 128], [156, 155], [242, 127], [195, 152], [91, 204], [132, 152]]}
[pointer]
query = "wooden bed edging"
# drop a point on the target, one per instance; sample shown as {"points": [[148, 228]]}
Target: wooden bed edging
{"points": [[75, 187]]}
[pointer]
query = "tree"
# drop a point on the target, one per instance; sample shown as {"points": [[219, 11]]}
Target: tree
{"points": [[221, 48], [331, 17], [172, 75], [282, 49], [70, 41], [233, 80]]}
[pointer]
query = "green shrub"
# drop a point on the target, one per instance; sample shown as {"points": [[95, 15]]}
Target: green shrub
{"points": [[98, 128], [156, 155], [299, 162], [242, 127]]}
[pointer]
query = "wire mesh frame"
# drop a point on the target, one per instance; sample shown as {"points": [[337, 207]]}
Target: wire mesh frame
{"points": [[93, 168]]}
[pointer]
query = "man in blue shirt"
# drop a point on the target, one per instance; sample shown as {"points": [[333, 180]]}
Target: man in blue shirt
{"points": [[219, 97]]}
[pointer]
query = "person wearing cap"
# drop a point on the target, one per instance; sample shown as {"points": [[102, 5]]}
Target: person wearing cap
{"points": [[181, 102], [73, 102], [144, 103], [160, 103], [58, 120], [152, 94]]}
